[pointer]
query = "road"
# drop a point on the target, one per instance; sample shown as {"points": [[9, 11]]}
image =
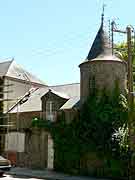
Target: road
{"points": [[9, 177]]}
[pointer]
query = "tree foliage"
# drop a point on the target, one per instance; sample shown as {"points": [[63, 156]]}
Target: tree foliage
{"points": [[121, 50]]}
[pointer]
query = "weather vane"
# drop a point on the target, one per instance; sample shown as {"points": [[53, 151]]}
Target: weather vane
{"points": [[103, 10]]}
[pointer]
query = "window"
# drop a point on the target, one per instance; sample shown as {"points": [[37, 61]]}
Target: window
{"points": [[92, 85], [50, 110]]}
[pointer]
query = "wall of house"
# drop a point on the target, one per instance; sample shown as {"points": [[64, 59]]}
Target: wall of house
{"points": [[12, 92], [33, 151], [105, 74], [22, 120], [38, 146], [70, 114], [15, 141], [36, 150], [16, 90]]}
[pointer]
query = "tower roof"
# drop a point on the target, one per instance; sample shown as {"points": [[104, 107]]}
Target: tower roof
{"points": [[100, 45], [101, 49]]}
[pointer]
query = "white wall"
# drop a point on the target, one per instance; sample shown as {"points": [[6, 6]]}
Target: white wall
{"points": [[50, 153], [15, 141], [18, 89]]}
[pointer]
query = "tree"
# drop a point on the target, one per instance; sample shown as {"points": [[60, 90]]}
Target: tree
{"points": [[121, 52]]}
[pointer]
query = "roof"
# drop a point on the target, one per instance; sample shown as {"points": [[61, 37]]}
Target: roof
{"points": [[100, 45], [101, 49], [22, 99], [34, 102], [60, 94], [71, 90], [13, 70], [4, 66], [71, 103]]}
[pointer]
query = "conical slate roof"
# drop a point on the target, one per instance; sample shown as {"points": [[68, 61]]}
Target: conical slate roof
{"points": [[101, 49], [100, 45]]}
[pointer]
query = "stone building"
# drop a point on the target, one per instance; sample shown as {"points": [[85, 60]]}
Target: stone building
{"points": [[16, 82], [45, 102], [35, 149]]}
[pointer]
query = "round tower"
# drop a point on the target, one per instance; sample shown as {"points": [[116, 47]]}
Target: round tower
{"points": [[101, 69]]}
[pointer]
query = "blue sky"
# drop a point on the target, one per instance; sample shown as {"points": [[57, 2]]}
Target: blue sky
{"points": [[50, 38]]}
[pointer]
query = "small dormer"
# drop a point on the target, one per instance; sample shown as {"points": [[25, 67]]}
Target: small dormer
{"points": [[52, 101]]}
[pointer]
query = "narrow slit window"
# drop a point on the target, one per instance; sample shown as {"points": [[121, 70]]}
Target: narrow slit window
{"points": [[50, 110]]}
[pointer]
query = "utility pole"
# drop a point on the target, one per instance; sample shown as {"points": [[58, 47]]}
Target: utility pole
{"points": [[114, 29], [131, 125], [131, 106], [130, 74]]}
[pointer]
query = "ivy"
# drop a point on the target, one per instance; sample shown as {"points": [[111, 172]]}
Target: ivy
{"points": [[100, 126]]}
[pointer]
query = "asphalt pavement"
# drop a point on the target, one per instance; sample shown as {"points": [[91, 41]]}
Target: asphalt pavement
{"points": [[45, 174]]}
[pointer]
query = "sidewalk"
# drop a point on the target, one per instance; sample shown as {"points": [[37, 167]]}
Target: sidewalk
{"points": [[46, 174]]}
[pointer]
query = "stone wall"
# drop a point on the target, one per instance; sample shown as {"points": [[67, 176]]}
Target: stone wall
{"points": [[105, 74], [35, 153], [22, 120], [70, 114], [36, 150]]}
